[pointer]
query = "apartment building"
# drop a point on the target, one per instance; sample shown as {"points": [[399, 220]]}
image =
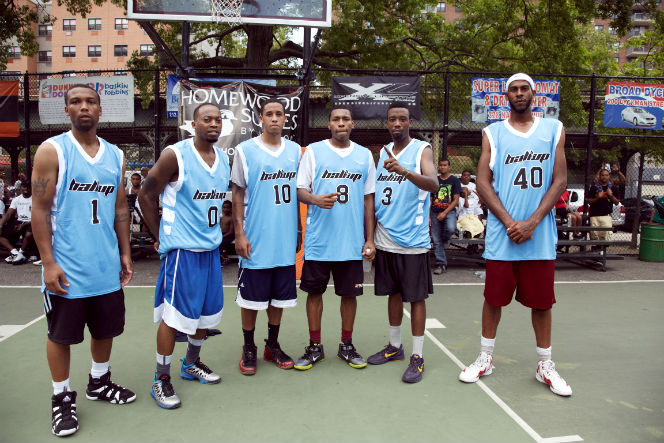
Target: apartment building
{"points": [[104, 40]]}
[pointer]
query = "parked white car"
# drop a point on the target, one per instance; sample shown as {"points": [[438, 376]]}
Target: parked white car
{"points": [[638, 117], [576, 198]]}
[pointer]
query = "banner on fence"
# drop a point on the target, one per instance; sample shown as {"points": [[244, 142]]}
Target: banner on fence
{"points": [[240, 105], [173, 90], [116, 94], [489, 103], [369, 97], [634, 105], [9, 109]]}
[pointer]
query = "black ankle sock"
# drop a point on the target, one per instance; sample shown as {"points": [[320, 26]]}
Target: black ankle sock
{"points": [[248, 337], [272, 334]]}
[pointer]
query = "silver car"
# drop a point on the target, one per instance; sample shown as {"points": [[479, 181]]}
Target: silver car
{"points": [[638, 117]]}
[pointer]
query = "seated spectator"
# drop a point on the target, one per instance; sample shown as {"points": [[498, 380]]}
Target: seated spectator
{"points": [[657, 216], [563, 212], [11, 228], [4, 197], [601, 200], [469, 214], [227, 230]]}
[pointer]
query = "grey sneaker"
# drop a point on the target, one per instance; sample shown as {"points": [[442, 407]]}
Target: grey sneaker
{"points": [[312, 354], [348, 354], [414, 370], [438, 270], [199, 371], [163, 393], [388, 353]]}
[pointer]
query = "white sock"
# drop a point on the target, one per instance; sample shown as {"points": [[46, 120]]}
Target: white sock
{"points": [[395, 336], [98, 369], [486, 345], [60, 386], [418, 344], [543, 354], [164, 359], [14, 251], [195, 342]]}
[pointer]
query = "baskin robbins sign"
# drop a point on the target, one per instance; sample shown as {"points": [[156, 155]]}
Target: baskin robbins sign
{"points": [[116, 94], [634, 105]]}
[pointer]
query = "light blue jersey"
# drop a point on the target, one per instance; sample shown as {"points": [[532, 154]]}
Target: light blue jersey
{"points": [[192, 204], [85, 244], [522, 166], [337, 234], [401, 207], [270, 202]]}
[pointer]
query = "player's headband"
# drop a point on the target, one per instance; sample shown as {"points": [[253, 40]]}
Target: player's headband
{"points": [[520, 76]]}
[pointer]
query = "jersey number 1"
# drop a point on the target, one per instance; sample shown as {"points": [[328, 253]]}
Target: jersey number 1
{"points": [[95, 219]]}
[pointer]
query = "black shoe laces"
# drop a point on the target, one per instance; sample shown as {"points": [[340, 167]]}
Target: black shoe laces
{"points": [[166, 386], [202, 366]]}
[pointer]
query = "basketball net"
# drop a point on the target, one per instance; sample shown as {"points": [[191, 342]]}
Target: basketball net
{"points": [[226, 11]]}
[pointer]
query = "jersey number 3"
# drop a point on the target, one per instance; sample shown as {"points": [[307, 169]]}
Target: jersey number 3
{"points": [[521, 179]]}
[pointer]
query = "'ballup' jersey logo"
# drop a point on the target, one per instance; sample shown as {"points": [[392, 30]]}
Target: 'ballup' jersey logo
{"points": [[91, 187], [522, 166]]}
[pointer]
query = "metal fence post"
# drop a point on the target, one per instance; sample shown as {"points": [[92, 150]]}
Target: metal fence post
{"points": [[637, 211], [26, 124], [157, 117], [446, 115], [590, 138]]}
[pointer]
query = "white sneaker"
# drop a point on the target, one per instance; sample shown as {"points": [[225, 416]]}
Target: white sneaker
{"points": [[482, 366], [37, 263], [547, 374], [12, 255]]}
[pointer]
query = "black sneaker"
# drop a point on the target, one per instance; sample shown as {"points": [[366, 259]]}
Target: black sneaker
{"points": [[312, 354], [388, 353], [64, 421], [248, 360], [103, 388], [277, 355], [348, 354], [413, 373]]}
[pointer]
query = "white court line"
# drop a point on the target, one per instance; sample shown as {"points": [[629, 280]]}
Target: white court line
{"points": [[509, 411], [16, 331]]}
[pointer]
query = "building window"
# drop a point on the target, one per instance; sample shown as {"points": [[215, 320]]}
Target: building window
{"points": [[15, 52], [147, 50], [94, 24], [121, 23], [69, 51], [457, 9], [45, 30], [440, 7], [94, 50], [599, 27], [68, 74], [612, 30], [45, 56], [69, 24], [120, 50]]}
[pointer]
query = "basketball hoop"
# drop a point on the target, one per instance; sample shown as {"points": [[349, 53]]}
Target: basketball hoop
{"points": [[226, 11]]}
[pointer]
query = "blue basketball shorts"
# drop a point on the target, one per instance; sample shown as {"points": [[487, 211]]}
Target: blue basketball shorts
{"points": [[189, 294]]}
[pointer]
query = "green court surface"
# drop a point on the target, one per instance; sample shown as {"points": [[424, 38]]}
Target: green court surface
{"points": [[605, 344]]}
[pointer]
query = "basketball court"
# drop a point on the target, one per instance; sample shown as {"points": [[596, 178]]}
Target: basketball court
{"points": [[604, 344]]}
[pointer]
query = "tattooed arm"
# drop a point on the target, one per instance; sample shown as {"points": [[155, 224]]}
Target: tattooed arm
{"points": [[121, 226], [44, 180]]}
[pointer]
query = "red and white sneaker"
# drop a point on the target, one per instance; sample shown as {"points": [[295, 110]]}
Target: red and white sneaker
{"points": [[547, 374], [483, 365]]}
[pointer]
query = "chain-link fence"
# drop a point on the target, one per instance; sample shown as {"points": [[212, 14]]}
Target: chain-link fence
{"points": [[446, 123]]}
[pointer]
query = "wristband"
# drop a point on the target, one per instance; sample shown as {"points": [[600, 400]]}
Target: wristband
{"points": [[405, 173]]}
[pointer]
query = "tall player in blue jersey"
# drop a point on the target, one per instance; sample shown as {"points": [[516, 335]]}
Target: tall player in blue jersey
{"points": [[192, 177], [336, 179], [265, 216], [521, 174], [405, 178], [80, 223]]}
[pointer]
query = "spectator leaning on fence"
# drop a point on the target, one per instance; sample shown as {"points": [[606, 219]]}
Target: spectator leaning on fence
{"points": [[601, 200]]}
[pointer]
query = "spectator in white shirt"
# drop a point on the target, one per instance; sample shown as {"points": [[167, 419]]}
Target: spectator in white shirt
{"points": [[13, 229]]}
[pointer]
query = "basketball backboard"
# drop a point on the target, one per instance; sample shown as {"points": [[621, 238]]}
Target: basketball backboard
{"points": [[309, 13]]}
